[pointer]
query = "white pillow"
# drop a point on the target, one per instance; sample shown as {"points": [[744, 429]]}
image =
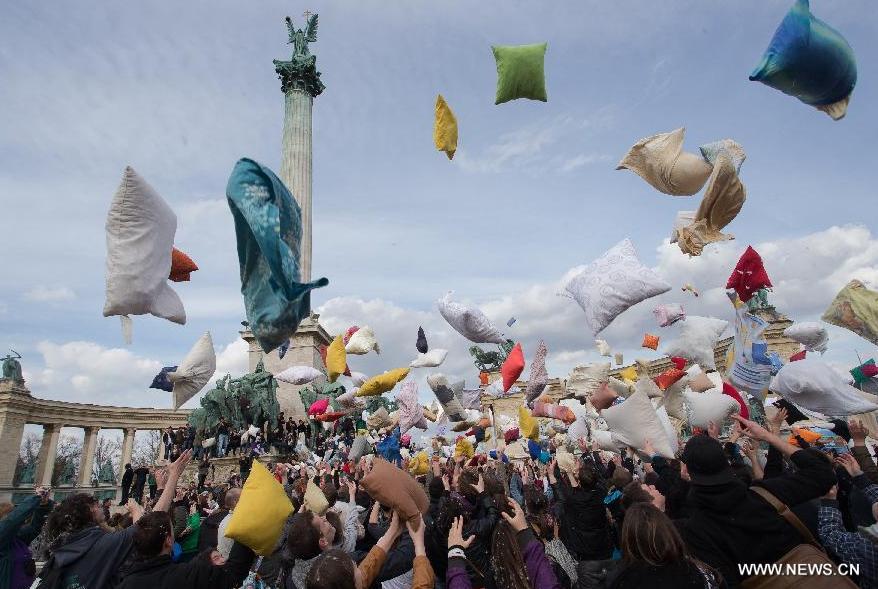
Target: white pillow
{"points": [[810, 334], [670, 430], [299, 375], [578, 429], [709, 406], [362, 342], [697, 340], [661, 161], [140, 236], [812, 384], [647, 386], [194, 371], [612, 284], [358, 378], [674, 399], [431, 359], [584, 380], [635, 421], [603, 347], [620, 387], [469, 322], [606, 440]]}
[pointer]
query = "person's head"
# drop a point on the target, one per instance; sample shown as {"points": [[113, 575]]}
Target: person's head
{"points": [[705, 462], [75, 513], [330, 492], [436, 488], [309, 536], [154, 535], [588, 476], [128, 466], [334, 570], [335, 521], [106, 502], [649, 537], [620, 477], [506, 559], [469, 478], [5, 508], [636, 492]]}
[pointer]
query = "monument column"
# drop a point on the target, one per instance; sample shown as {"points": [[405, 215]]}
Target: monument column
{"points": [[300, 83], [11, 430], [127, 449], [88, 456], [48, 453]]}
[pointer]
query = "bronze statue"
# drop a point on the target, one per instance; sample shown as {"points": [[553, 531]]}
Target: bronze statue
{"points": [[759, 301], [250, 399], [12, 368], [491, 361]]}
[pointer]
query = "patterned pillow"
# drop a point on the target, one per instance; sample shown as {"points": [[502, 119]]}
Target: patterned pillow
{"points": [[613, 283], [650, 341], [539, 377]]}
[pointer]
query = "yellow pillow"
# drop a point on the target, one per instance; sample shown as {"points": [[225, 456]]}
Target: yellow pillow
{"points": [[314, 500], [261, 512], [382, 383], [336, 359], [445, 128], [528, 426], [464, 448], [420, 464], [629, 374]]}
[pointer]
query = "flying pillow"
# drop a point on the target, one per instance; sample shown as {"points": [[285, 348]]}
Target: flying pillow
{"points": [[650, 341], [669, 314], [603, 397], [673, 402], [734, 394], [431, 359], [864, 371], [140, 237], [181, 266], [539, 377], [299, 375], [445, 128], [620, 387], [331, 416], [421, 342], [510, 435], [268, 226], [711, 151], [683, 219], [411, 414], [723, 200], [350, 332], [438, 383], [512, 367], [613, 283], [855, 308], [359, 448], [704, 381], [553, 411], [810, 334], [464, 448], [749, 275], [800, 355], [520, 72], [194, 371], [697, 340], [161, 380], [336, 359], [634, 421], [603, 347], [358, 378], [362, 342], [420, 464], [314, 499], [661, 161], [319, 406], [710, 406], [668, 378], [469, 322], [586, 379], [262, 510], [814, 385], [811, 61], [629, 374], [382, 383], [379, 418], [648, 386], [606, 440], [528, 426]]}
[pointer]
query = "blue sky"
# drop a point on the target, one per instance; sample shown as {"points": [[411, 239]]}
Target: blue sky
{"points": [[180, 91]]}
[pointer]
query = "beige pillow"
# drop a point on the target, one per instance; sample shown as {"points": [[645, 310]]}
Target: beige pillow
{"points": [[661, 161], [635, 421], [701, 383], [314, 500]]}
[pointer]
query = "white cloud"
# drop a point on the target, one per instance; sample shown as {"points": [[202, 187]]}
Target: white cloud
{"points": [[232, 359], [49, 294]]}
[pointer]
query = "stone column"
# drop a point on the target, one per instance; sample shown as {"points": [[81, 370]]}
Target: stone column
{"points": [[127, 449], [296, 165], [11, 430], [48, 453], [89, 444]]}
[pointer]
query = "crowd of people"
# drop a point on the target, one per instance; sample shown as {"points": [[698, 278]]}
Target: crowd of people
{"points": [[583, 519]]}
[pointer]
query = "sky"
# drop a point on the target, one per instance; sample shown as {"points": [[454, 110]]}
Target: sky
{"points": [[180, 91]]}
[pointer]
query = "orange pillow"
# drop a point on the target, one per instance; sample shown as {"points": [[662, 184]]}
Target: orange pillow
{"points": [[805, 434], [331, 416], [669, 377], [181, 266], [512, 367], [395, 488], [650, 341]]}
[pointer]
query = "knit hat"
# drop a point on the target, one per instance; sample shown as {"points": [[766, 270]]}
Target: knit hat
{"points": [[706, 462]]}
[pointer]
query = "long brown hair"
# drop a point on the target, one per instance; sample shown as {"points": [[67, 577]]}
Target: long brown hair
{"points": [[506, 559], [649, 537]]}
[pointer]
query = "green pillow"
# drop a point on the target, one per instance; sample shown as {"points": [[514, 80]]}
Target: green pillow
{"points": [[520, 72]]}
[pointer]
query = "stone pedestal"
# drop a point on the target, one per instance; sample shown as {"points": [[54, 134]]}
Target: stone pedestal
{"points": [[304, 350]]}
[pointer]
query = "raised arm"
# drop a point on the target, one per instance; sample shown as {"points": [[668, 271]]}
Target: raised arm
{"points": [[168, 479]]}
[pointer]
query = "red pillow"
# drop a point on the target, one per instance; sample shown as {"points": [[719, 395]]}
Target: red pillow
{"points": [[798, 356], [669, 377], [511, 435], [679, 363], [181, 266], [749, 275], [512, 367], [331, 416], [734, 394], [351, 331], [319, 406]]}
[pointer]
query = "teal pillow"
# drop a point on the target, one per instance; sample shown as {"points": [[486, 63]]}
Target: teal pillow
{"points": [[520, 72]]}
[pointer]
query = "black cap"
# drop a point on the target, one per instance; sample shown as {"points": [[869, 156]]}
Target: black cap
{"points": [[706, 461]]}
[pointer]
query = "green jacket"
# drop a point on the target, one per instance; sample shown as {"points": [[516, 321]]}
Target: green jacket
{"points": [[190, 542]]}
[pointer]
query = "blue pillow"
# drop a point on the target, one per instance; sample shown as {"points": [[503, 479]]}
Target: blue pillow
{"points": [[268, 227], [161, 380], [809, 60], [533, 449], [760, 353]]}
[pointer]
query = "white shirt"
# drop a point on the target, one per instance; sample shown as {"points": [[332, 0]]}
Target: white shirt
{"points": [[223, 544]]}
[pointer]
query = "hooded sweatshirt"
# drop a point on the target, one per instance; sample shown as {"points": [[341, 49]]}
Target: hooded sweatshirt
{"points": [[93, 558]]}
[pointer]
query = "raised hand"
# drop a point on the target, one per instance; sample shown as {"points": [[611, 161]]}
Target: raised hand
{"points": [[753, 429], [858, 432], [455, 535], [850, 464], [517, 520], [777, 420]]}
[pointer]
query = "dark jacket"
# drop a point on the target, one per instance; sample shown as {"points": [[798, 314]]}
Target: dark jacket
{"points": [[730, 524], [399, 558], [481, 524], [93, 558], [210, 528], [127, 478], [17, 530], [685, 575], [199, 573], [584, 528], [672, 486]]}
